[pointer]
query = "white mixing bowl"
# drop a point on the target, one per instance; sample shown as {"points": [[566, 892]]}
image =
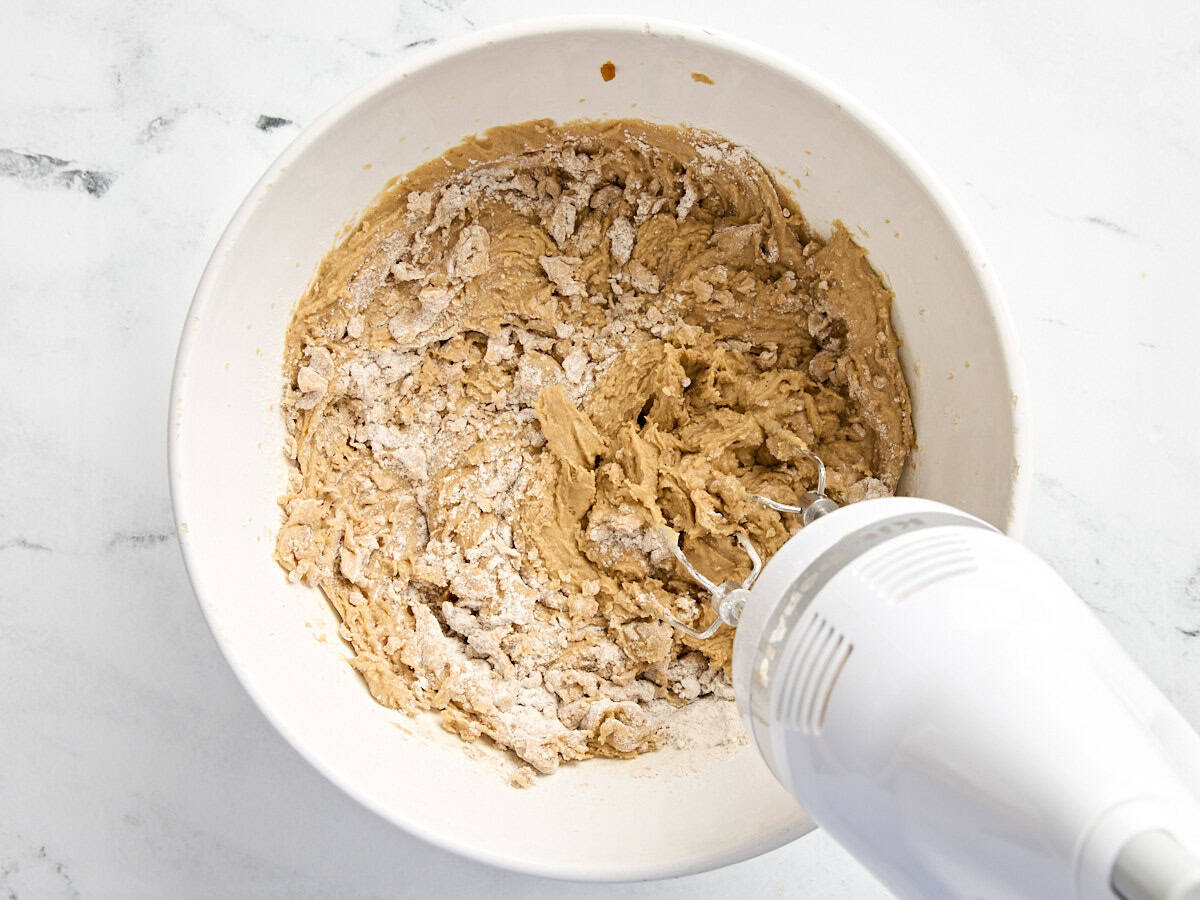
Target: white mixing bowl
{"points": [[599, 820]]}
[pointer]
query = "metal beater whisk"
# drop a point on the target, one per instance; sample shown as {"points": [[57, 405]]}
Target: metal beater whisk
{"points": [[729, 598]]}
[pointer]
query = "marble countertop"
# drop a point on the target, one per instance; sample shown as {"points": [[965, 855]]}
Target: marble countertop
{"points": [[132, 763]]}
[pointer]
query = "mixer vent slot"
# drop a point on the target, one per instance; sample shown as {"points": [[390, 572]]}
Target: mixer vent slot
{"points": [[900, 572], [810, 675]]}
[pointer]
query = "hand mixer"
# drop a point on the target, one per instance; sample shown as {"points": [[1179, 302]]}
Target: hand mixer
{"points": [[950, 711]]}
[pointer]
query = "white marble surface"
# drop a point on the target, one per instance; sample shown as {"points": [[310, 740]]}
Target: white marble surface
{"points": [[132, 764]]}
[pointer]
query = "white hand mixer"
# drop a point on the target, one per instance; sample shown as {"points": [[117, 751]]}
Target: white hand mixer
{"points": [[949, 710]]}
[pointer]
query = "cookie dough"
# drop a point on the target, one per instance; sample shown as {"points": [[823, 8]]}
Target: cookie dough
{"points": [[528, 355]]}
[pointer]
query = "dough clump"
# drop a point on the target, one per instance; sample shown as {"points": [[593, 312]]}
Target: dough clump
{"points": [[528, 356]]}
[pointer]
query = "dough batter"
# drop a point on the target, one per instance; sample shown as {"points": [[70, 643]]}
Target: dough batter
{"points": [[529, 354]]}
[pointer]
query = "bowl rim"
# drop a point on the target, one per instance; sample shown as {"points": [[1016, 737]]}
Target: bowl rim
{"points": [[993, 295]]}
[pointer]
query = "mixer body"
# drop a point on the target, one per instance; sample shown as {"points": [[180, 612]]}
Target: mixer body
{"points": [[945, 706]]}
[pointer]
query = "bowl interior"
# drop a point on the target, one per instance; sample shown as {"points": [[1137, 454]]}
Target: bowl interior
{"points": [[602, 820]]}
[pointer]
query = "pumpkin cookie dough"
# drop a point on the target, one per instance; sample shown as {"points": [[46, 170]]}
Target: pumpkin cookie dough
{"points": [[529, 354]]}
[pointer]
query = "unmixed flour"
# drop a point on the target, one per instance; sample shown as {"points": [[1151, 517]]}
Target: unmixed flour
{"points": [[530, 356]]}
